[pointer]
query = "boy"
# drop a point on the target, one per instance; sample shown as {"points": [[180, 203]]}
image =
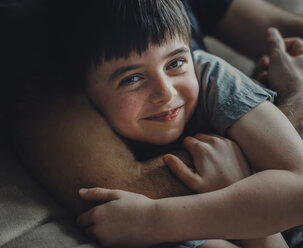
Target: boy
{"points": [[148, 91]]}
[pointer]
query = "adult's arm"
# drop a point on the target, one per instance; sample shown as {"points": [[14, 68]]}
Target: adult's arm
{"points": [[292, 108], [244, 25], [69, 145]]}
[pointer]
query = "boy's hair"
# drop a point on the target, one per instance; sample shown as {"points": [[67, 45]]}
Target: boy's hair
{"points": [[108, 29]]}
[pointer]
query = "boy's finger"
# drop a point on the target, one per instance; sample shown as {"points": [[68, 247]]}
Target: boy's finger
{"points": [[90, 231], [203, 137], [98, 194], [183, 172], [207, 138], [85, 219], [196, 146], [199, 138]]}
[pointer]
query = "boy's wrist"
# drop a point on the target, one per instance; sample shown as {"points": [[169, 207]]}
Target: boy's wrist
{"points": [[161, 223], [168, 224], [156, 219]]}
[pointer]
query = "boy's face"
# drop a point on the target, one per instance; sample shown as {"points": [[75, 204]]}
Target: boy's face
{"points": [[148, 97]]}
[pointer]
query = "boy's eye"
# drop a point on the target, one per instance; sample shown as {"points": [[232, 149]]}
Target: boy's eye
{"points": [[176, 64], [130, 80]]}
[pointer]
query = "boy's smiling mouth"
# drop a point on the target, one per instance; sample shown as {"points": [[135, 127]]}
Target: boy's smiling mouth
{"points": [[166, 115]]}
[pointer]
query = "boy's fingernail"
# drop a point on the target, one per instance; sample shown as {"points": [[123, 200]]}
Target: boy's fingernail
{"points": [[83, 191]]}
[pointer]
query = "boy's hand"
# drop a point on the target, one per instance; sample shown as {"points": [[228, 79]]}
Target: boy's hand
{"points": [[123, 219], [218, 161], [282, 68]]}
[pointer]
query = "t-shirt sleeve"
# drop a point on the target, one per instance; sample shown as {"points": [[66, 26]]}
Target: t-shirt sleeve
{"points": [[226, 94], [209, 13]]}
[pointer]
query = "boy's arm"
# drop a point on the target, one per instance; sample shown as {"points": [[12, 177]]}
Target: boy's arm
{"points": [[218, 162], [215, 153], [264, 203]]}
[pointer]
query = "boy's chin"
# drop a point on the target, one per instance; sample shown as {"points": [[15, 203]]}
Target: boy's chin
{"points": [[156, 138], [164, 140]]}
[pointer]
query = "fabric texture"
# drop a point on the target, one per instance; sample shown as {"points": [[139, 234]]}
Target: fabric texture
{"points": [[29, 216], [204, 15], [192, 244], [209, 13]]}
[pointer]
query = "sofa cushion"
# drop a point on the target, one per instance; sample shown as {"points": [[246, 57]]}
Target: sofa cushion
{"points": [[29, 216]]}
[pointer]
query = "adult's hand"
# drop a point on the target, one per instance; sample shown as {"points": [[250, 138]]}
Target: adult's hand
{"points": [[253, 18], [282, 68], [282, 71]]}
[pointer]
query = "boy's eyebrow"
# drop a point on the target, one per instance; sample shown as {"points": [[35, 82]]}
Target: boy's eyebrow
{"points": [[177, 51], [122, 70]]}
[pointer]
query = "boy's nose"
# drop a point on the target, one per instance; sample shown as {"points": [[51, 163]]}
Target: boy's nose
{"points": [[163, 91]]}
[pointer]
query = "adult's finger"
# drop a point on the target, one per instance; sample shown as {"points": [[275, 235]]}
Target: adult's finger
{"points": [[183, 172], [263, 78], [275, 41], [263, 63], [294, 46]]}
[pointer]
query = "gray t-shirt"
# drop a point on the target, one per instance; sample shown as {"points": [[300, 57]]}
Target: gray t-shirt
{"points": [[226, 94]]}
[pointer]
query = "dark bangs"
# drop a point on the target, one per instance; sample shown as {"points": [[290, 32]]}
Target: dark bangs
{"points": [[115, 28]]}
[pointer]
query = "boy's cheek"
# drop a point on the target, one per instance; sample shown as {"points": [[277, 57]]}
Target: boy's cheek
{"points": [[128, 106], [192, 91], [123, 113]]}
